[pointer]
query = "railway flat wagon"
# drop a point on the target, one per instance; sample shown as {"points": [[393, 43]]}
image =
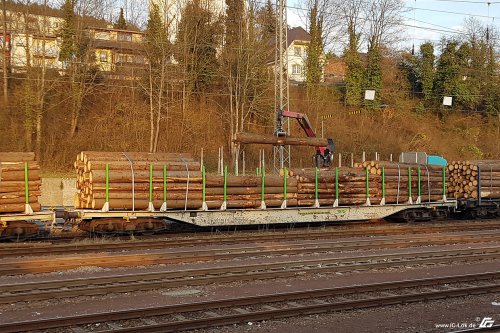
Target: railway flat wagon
{"points": [[476, 186], [139, 192], [117, 220], [20, 211]]}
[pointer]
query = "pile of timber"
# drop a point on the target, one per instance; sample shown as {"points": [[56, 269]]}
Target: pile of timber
{"points": [[138, 181], [471, 179], [246, 191], [12, 182], [398, 176], [352, 184], [184, 183], [129, 177], [351, 187]]}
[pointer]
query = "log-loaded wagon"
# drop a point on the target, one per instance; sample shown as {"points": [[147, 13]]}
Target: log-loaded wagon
{"points": [[138, 192], [130, 192], [20, 211]]}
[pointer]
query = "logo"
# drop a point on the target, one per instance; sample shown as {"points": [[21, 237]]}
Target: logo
{"points": [[487, 322]]}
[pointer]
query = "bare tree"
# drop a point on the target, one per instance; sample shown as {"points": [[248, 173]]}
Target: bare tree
{"points": [[159, 54], [385, 21], [80, 74], [37, 30], [329, 11], [352, 22], [5, 56], [98, 9], [134, 12], [243, 69]]}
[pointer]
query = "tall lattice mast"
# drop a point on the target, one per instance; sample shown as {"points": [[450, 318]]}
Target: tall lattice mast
{"points": [[281, 154]]}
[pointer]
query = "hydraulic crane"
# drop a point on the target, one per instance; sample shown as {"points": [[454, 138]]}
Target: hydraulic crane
{"points": [[324, 154]]}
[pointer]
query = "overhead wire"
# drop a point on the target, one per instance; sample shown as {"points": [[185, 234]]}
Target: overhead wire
{"points": [[452, 12], [467, 1]]}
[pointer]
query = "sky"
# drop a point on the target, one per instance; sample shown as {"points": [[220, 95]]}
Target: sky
{"points": [[432, 18]]}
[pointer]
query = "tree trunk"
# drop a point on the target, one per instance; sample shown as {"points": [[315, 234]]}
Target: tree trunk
{"points": [[6, 56], [151, 110], [41, 95], [77, 88], [160, 104]]}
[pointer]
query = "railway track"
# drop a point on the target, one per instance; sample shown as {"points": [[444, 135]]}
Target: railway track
{"points": [[92, 286], [169, 256], [219, 312], [196, 239]]}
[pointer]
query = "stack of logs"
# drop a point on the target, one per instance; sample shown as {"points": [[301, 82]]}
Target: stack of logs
{"points": [[129, 184], [469, 178], [397, 180], [129, 177], [183, 183], [352, 185], [12, 182]]}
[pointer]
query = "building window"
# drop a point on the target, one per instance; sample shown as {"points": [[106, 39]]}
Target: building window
{"points": [[296, 69], [122, 58], [124, 37], [103, 56], [297, 51], [38, 62]]}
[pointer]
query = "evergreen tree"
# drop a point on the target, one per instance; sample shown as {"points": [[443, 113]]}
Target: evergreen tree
{"points": [[447, 70], [466, 91], [197, 40], [492, 99], [266, 18], [121, 23], [452, 73], [314, 60], [426, 69], [158, 46], [235, 24], [410, 66], [355, 69], [420, 70], [67, 33], [81, 73]]}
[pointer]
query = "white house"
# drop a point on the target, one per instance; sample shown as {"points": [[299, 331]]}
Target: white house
{"points": [[298, 41], [297, 45], [34, 40]]}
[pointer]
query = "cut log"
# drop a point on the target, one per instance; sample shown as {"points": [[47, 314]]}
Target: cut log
{"points": [[17, 157], [18, 208], [253, 138], [124, 176]]}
